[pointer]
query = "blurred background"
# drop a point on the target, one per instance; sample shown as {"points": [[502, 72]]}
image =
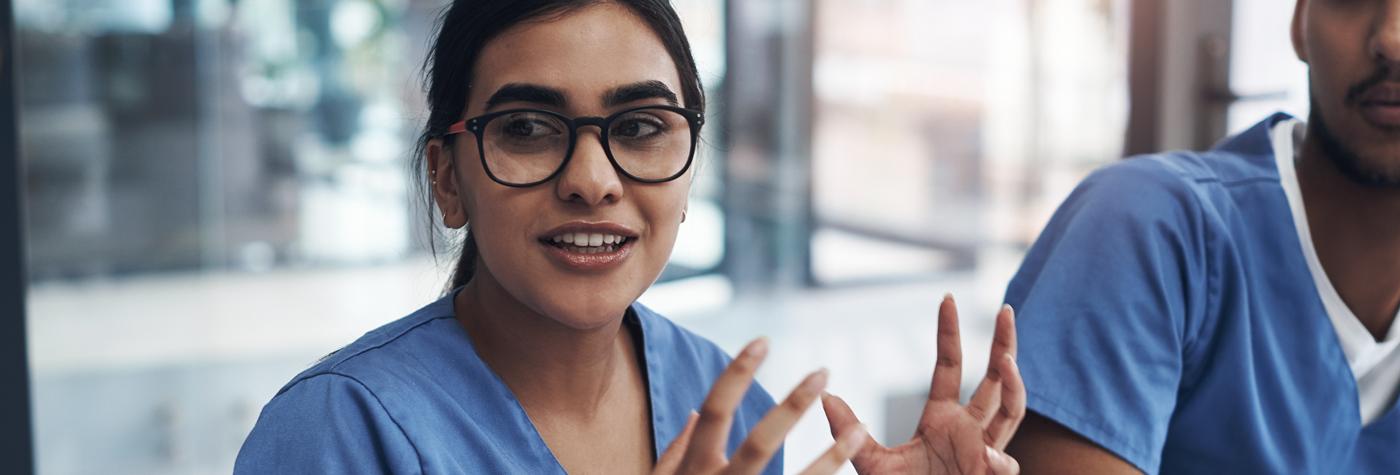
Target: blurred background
{"points": [[215, 193]]}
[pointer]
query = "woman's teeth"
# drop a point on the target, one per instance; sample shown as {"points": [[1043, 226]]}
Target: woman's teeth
{"points": [[588, 243]]}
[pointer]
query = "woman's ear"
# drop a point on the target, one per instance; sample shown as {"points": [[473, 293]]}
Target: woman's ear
{"points": [[442, 178], [690, 186]]}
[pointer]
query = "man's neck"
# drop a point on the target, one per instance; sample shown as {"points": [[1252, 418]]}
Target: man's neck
{"points": [[1356, 233]]}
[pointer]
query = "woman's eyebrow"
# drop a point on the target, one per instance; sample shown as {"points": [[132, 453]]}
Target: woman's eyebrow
{"points": [[639, 91], [530, 93]]}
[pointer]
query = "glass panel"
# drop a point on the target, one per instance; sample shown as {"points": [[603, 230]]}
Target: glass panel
{"points": [[218, 196], [700, 244], [1263, 67], [937, 137]]}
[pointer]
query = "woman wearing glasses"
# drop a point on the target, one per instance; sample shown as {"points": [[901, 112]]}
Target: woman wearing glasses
{"points": [[563, 134]]}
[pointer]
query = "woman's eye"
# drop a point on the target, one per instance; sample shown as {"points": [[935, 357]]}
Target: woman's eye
{"points": [[528, 128], [520, 128], [637, 128]]}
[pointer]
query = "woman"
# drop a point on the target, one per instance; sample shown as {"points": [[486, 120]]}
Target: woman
{"points": [[563, 133]]}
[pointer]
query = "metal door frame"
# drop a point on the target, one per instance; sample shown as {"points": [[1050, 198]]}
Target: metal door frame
{"points": [[1178, 74], [16, 434]]}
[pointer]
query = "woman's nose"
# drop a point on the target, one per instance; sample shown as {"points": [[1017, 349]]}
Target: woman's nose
{"points": [[589, 176]]}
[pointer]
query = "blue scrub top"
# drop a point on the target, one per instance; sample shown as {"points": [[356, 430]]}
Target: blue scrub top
{"points": [[413, 397], [1168, 315]]}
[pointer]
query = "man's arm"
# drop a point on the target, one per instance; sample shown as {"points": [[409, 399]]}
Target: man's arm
{"points": [[1044, 446], [1110, 298]]}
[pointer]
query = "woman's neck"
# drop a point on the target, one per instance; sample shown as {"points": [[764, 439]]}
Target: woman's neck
{"points": [[547, 365]]}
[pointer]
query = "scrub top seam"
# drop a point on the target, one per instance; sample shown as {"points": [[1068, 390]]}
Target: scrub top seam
{"points": [[650, 368], [1205, 217], [335, 366], [416, 453], [1194, 324], [1237, 182]]}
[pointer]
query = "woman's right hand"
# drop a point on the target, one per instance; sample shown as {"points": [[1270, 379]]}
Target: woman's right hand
{"points": [[700, 448]]}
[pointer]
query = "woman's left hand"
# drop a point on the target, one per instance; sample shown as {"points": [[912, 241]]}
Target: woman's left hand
{"points": [[700, 447], [952, 438]]}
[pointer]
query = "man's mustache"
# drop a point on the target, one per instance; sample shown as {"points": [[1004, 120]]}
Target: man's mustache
{"points": [[1385, 72]]}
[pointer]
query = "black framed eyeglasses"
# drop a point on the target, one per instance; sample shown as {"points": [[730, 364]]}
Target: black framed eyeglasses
{"points": [[526, 147]]}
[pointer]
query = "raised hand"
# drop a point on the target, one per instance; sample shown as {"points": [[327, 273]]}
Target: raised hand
{"points": [[952, 438], [700, 448]]}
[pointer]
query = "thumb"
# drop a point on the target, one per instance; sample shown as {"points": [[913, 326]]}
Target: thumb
{"points": [[838, 414], [842, 421], [998, 463], [670, 461]]}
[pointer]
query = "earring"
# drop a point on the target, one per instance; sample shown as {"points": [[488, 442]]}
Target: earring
{"points": [[433, 174]]}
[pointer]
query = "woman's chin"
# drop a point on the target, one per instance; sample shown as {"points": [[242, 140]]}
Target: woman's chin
{"points": [[585, 321], [588, 312]]}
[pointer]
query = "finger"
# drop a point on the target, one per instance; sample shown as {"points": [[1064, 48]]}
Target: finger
{"points": [[998, 463], [947, 373], [717, 412], [988, 395], [843, 421], [670, 460], [767, 436], [1013, 405], [1004, 338], [983, 404], [846, 446]]}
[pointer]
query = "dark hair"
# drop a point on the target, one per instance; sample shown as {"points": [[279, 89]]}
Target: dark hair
{"points": [[463, 30]]}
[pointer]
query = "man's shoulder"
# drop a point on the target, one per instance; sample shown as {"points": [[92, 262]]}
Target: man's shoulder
{"points": [[1144, 186], [1243, 158]]}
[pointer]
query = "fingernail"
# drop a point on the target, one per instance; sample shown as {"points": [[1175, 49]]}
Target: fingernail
{"points": [[852, 440], [992, 455], [1006, 307], [815, 381], [758, 348], [947, 296]]}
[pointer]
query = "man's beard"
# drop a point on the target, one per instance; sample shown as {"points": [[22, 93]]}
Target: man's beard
{"points": [[1351, 164]]}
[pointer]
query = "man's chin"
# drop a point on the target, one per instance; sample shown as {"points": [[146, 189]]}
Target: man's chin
{"points": [[1370, 159], [1374, 166]]}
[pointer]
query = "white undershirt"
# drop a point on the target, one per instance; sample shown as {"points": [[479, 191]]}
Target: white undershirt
{"points": [[1376, 365]]}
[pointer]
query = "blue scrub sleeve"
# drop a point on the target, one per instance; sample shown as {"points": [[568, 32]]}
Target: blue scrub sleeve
{"points": [[1105, 301], [757, 403], [327, 423]]}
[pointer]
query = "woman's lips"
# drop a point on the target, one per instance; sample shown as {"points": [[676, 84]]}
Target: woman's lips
{"points": [[589, 245], [588, 258]]}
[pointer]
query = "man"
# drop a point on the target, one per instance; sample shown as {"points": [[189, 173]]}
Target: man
{"points": [[1232, 311]]}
